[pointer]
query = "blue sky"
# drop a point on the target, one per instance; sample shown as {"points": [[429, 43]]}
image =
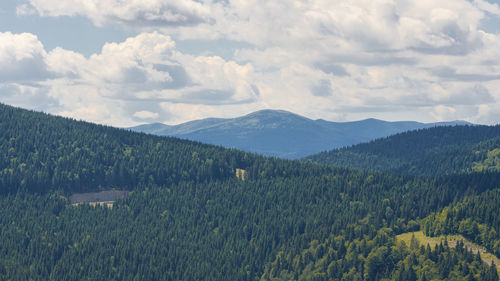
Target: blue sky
{"points": [[124, 63]]}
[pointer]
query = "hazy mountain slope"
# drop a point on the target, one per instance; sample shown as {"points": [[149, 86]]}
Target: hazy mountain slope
{"points": [[281, 133], [438, 151]]}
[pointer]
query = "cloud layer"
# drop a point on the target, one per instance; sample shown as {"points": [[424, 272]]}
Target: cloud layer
{"points": [[338, 60], [131, 12], [122, 83]]}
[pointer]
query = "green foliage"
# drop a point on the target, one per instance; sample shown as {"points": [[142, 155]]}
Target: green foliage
{"points": [[491, 163], [477, 218], [190, 218], [433, 151], [39, 153], [378, 257]]}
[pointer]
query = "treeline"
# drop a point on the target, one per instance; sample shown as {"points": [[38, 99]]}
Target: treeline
{"points": [[40, 153], [378, 258], [433, 151], [477, 218]]}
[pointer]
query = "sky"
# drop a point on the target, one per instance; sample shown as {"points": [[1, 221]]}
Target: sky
{"points": [[124, 63]]}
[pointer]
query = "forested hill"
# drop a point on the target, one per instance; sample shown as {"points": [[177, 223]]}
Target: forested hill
{"points": [[39, 152], [476, 218], [436, 151], [200, 212]]}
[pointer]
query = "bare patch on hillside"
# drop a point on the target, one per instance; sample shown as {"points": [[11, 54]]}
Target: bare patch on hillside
{"points": [[103, 198]]}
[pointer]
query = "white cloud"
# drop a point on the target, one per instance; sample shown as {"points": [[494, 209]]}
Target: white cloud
{"points": [[25, 10], [28, 96], [131, 12], [132, 62], [423, 60], [22, 57], [332, 27], [146, 69], [486, 6], [144, 114]]}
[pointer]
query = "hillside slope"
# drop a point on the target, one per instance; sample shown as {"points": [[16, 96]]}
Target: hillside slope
{"points": [[189, 217], [39, 152], [436, 151], [412, 256], [281, 133]]}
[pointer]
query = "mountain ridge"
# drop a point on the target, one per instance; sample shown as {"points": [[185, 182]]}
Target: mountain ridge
{"points": [[284, 134], [430, 151]]}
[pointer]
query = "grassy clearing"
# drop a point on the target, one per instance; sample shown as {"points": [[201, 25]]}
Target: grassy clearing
{"points": [[241, 174], [452, 242]]}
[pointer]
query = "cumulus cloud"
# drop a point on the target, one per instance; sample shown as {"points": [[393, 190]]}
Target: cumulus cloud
{"points": [[377, 25], [346, 26], [132, 63], [491, 8], [369, 57], [144, 114], [132, 12], [22, 57], [423, 60], [29, 96], [146, 69]]}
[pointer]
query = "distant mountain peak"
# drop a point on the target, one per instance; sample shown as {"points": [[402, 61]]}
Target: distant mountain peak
{"points": [[272, 113], [276, 132]]}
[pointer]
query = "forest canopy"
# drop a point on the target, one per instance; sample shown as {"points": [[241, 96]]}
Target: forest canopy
{"points": [[191, 214]]}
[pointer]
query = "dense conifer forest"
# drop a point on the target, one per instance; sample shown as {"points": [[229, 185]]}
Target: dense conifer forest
{"points": [[433, 151], [476, 218], [191, 215]]}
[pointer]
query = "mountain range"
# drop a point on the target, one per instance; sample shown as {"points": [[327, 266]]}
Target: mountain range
{"points": [[284, 134]]}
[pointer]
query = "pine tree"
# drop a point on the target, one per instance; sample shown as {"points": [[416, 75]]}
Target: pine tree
{"points": [[492, 272], [413, 242]]}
